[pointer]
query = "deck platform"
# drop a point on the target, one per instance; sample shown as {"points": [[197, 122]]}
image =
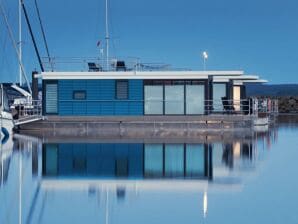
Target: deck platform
{"points": [[139, 126]]}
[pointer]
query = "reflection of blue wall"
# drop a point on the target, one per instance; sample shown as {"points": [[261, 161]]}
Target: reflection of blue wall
{"points": [[100, 98], [131, 160], [98, 160]]}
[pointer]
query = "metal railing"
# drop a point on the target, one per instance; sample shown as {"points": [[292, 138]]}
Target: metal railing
{"points": [[265, 106], [96, 64], [27, 111], [249, 106]]}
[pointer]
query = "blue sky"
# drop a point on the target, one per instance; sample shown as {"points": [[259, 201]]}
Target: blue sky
{"points": [[258, 36]]}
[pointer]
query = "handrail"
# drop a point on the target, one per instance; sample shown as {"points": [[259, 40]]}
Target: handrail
{"points": [[100, 64]]}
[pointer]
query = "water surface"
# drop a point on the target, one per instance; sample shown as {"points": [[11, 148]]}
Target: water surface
{"points": [[146, 181]]}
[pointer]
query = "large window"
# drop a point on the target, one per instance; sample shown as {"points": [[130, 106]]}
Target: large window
{"points": [[51, 102], [174, 99], [219, 91], [195, 99], [121, 89], [153, 99]]}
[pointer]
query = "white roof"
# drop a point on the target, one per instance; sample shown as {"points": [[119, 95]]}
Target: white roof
{"points": [[138, 75]]}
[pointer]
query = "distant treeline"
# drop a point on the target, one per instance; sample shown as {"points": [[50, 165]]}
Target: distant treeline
{"points": [[272, 90]]}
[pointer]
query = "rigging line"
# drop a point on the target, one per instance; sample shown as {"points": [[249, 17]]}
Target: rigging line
{"points": [[14, 44], [32, 36], [43, 35]]}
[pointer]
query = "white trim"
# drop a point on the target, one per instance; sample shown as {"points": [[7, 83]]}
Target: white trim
{"points": [[239, 78], [137, 75]]}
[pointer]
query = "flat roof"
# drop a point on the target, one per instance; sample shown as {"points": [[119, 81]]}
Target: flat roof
{"points": [[138, 75]]}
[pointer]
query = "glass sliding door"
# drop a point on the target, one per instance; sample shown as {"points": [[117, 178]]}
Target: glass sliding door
{"points": [[153, 160], [174, 160], [195, 98], [153, 99], [219, 91], [174, 99]]}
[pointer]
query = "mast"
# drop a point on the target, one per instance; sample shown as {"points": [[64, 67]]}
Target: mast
{"points": [[20, 42], [2, 11], [107, 36]]}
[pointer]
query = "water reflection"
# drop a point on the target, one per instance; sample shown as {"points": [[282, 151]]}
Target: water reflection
{"points": [[75, 182]]}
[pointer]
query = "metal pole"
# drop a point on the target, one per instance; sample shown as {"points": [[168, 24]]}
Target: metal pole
{"points": [[20, 41], [107, 36], [14, 44], [32, 36]]}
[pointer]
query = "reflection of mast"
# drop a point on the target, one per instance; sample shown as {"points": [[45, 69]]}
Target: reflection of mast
{"points": [[20, 42], [107, 206], [20, 187]]}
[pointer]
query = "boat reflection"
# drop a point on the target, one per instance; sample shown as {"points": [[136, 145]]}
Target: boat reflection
{"points": [[96, 176]]}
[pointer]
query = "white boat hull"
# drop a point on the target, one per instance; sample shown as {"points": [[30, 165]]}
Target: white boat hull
{"points": [[6, 124]]}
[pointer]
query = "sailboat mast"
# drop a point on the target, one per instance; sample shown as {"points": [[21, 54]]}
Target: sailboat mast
{"points": [[20, 42], [107, 36]]}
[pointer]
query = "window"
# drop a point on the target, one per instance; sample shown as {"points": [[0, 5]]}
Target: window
{"points": [[121, 89], [237, 97], [174, 99], [51, 103], [219, 91], [79, 95], [153, 99], [195, 99]]}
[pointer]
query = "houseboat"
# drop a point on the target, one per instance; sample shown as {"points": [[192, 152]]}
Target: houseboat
{"points": [[145, 93], [140, 101]]}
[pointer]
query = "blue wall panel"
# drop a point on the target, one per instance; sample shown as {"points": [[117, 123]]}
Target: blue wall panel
{"points": [[100, 98]]}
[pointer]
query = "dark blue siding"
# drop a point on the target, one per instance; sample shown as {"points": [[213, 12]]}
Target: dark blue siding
{"points": [[100, 98]]}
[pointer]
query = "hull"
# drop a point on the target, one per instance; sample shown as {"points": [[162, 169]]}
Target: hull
{"points": [[6, 124]]}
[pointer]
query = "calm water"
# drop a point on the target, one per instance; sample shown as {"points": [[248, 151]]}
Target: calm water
{"points": [[251, 180]]}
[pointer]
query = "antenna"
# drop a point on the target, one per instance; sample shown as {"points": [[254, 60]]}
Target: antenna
{"points": [[107, 36], [20, 42]]}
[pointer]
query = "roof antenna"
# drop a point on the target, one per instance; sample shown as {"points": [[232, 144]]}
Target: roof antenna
{"points": [[107, 36]]}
